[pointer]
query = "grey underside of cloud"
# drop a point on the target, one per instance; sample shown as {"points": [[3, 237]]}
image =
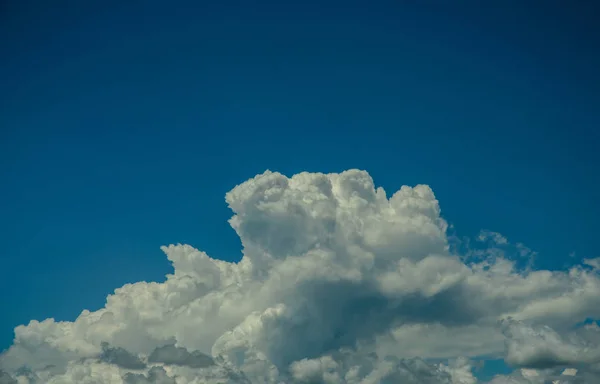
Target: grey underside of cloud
{"points": [[5, 378], [338, 283]]}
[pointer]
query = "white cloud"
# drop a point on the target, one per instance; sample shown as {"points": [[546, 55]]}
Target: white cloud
{"points": [[338, 284], [543, 347], [545, 354]]}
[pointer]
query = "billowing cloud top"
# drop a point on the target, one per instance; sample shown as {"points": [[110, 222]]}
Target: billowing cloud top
{"points": [[338, 284]]}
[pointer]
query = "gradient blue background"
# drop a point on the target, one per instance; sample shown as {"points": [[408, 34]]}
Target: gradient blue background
{"points": [[123, 124]]}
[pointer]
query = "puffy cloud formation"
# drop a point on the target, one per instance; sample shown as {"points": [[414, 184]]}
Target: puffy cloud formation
{"points": [[547, 356], [338, 284]]}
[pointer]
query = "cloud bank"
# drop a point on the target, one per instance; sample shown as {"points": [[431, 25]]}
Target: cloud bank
{"points": [[338, 284]]}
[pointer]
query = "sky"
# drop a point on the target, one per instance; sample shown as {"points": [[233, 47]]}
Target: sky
{"points": [[124, 124]]}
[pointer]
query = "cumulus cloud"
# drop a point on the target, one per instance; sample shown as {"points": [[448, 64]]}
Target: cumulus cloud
{"points": [[170, 354], [544, 354], [120, 357], [338, 283], [543, 347]]}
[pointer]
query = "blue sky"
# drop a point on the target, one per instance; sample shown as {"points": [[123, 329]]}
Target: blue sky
{"points": [[123, 126]]}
